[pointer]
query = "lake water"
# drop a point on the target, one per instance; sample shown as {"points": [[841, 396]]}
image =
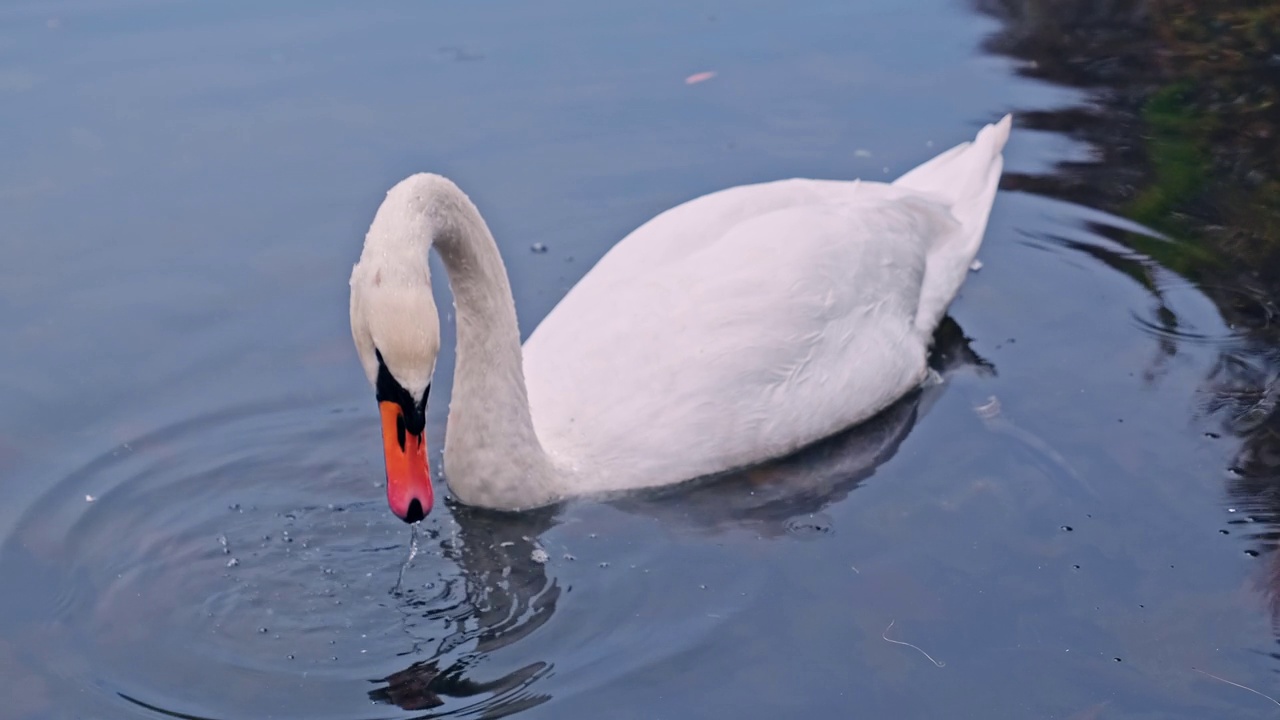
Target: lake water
{"points": [[192, 522]]}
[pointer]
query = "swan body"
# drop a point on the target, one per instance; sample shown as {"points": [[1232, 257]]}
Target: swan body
{"points": [[734, 328]]}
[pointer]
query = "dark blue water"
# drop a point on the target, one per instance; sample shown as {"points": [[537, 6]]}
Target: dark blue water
{"points": [[191, 515]]}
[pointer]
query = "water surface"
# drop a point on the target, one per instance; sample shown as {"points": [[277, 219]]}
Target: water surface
{"points": [[191, 516]]}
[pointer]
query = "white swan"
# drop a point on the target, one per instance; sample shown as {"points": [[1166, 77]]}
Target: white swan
{"points": [[731, 329]]}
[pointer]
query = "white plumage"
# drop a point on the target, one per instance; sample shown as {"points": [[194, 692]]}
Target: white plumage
{"points": [[734, 328]]}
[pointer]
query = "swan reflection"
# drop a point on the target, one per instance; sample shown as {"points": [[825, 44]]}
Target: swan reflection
{"points": [[504, 591], [505, 595]]}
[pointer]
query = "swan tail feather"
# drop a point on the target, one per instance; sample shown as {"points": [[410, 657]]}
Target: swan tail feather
{"points": [[965, 179]]}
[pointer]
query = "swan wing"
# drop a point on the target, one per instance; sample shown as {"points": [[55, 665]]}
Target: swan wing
{"points": [[771, 317], [747, 323]]}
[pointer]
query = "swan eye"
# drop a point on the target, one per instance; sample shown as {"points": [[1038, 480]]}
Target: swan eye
{"points": [[413, 415]]}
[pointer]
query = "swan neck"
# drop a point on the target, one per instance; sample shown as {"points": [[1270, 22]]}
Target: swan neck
{"points": [[492, 455]]}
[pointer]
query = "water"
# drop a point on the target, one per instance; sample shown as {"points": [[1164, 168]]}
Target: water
{"points": [[1077, 522]]}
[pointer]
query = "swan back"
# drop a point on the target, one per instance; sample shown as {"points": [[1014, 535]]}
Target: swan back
{"points": [[747, 323]]}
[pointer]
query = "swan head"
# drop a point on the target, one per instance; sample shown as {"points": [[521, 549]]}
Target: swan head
{"points": [[396, 329]]}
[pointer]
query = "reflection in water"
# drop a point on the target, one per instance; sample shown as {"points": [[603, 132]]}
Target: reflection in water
{"points": [[1183, 119], [170, 555], [508, 594], [151, 577]]}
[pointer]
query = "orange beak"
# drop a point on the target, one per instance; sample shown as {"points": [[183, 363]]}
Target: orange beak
{"points": [[408, 478]]}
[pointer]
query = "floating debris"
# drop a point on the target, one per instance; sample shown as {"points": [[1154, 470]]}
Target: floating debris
{"points": [[886, 637], [696, 78], [539, 556], [1236, 684]]}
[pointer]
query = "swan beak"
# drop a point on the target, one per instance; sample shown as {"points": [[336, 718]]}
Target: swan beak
{"points": [[408, 478]]}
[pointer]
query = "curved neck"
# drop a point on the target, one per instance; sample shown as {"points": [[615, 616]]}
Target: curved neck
{"points": [[492, 456]]}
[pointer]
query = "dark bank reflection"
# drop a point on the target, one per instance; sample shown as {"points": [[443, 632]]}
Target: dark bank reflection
{"points": [[1182, 116], [506, 593]]}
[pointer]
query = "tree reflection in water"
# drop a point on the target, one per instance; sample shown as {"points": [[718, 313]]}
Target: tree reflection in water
{"points": [[1183, 117]]}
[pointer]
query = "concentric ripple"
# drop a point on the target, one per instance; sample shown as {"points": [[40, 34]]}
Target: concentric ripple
{"points": [[245, 559]]}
